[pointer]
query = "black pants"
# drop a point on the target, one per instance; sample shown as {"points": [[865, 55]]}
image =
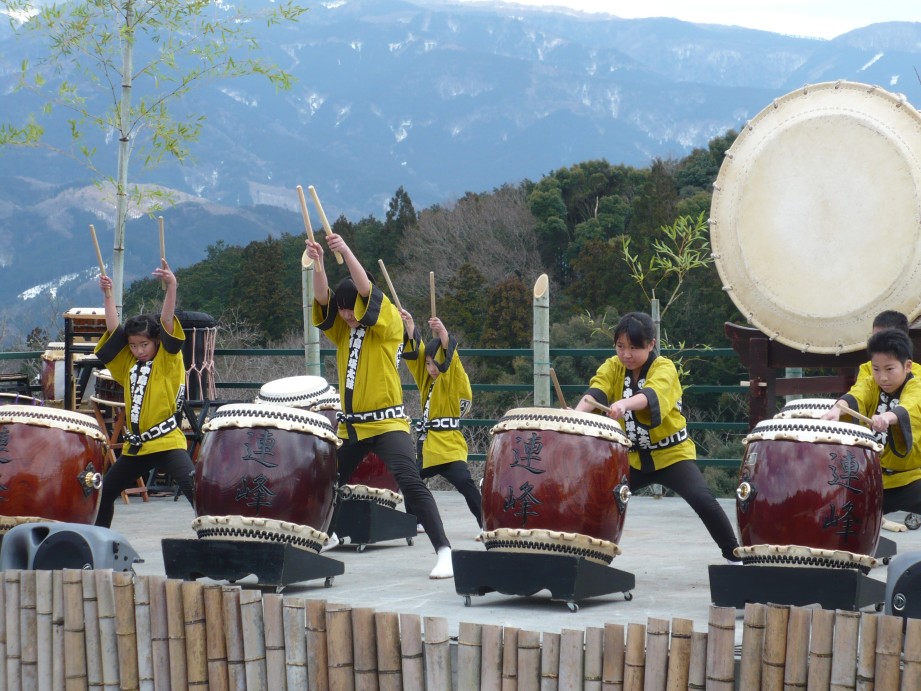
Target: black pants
{"points": [[904, 498], [685, 479], [458, 474], [397, 451], [127, 469]]}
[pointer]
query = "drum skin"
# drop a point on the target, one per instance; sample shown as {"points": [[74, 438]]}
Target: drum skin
{"points": [[820, 495], [41, 471], [295, 481], [550, 480]]}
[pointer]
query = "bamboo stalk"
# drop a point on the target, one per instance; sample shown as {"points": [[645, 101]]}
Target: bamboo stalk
{"points": [[233, 638], [159, 632], [272, 611], [108, 638], [634, 657], [126, 629], [175, 631], [339, 647], [3, 636], [317, 648], [28, 625], [13, 633], [437, 653], [796, 673], [44, 605], [571, 658], [491, 670], [752, 646], [844, 654], [74, 637], [390, 669], [364, 642], [888, 652], [57, 630], [509, 658], [820, 649], [253, 639], [294, 619], [142, 633], [679, 657], [911, 670], [866, 651], [91, 630], [195, 633], [549, 662], [697, 670], [594, 653], [218, 679], [774, 655], [721, 633], [613, 657], [411, 652], [655, 673], [528, 661]]}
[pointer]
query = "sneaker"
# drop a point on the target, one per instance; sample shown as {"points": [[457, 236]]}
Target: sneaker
{"points": [[331, 544], [893, 526], [444, 567], [734, 562], [419, 528]]}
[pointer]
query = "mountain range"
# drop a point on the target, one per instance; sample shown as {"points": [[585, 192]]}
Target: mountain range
{"points": [[438, 98]]}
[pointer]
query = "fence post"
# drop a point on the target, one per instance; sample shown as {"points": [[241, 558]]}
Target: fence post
{"points": [[541, 341]]}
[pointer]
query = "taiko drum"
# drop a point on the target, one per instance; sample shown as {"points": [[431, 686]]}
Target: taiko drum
{"points": [[813, 483]]}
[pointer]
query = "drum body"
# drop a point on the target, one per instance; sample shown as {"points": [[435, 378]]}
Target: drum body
{"points": [[52, 374], [813, 483], [556, 470], [267, 461], [107, 390], [50, 463]]}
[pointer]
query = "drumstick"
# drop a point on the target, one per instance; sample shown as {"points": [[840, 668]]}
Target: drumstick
{"points": [[432, 291], [306, 261], [854, 413], [162, 249], [559, 391], [102, 266], [323, 219], [396, 300], [600, 406]]}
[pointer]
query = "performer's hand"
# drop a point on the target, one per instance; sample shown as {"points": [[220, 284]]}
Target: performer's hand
{"points": [[165, 274], [618, 410], [408, 322], [834, 414], [105, 283], [880, 423], [315, 251], [438, 329]]}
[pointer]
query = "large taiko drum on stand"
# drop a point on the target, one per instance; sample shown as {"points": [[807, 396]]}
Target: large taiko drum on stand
{"points": [[810, 493], [50, 464], [18, 399], [557, 482], [266, 472]]}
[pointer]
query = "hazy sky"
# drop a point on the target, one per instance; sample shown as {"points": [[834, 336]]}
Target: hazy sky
{"points": [[817, 18]]}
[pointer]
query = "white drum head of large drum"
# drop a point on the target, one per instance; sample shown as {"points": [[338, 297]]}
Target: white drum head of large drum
{"points": [[816, 215], [310, 392]]}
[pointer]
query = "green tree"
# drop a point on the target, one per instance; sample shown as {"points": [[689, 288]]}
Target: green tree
{"points": [[508, 315], [90, 72], [400, 218]]}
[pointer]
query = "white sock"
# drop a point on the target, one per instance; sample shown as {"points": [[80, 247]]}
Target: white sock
{"points": [[331, 544], [444, 567]]}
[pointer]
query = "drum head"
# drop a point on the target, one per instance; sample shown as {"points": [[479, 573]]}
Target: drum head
{"points": [[304, 391], [816, 215]]}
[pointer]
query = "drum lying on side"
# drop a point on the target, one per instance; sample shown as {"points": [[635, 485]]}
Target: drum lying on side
{"points": [[556, 481], [50, 464], [267, 461], [812, 483]]}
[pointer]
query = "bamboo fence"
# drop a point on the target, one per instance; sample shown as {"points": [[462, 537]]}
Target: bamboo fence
{"points": [[77, 629]]}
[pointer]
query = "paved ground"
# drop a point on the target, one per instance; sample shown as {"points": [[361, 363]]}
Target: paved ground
{"points": [[664, 545]]}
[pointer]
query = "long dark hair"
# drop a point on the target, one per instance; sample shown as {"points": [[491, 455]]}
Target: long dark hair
{"points": [[638, 327]]}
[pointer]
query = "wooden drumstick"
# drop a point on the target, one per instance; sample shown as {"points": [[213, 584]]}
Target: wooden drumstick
{"points": [[162, 249], [559, 391], [306, 261], [432, 291], [854, 413], [323, 219], [102, 266], [396, 300], [599, 406]]}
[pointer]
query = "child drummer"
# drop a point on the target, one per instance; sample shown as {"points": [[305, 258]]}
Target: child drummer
{"points": [[145, 357]]}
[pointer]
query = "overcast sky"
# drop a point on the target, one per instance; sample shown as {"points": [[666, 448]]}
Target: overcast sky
{"points": [[816, 18]]}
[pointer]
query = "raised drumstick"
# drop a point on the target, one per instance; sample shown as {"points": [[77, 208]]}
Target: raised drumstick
{"points": [[102, 266], [598, 405], [396, 300], [559, 390], [323, 219], [432, 291], [306, 261], [162, 249]]}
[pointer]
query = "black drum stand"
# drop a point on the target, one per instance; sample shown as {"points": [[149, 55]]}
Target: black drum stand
{"points": [[274, 564], [366, 522], [569, 579]]}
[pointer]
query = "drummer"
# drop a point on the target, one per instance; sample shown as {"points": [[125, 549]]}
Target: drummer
{"points": [[145, 357], [893, 402], [643, 392], [368, 333]]}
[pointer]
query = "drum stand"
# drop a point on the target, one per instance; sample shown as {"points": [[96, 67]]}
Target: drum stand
{"points": [[274, 564], [366, 522], [569, 579]]}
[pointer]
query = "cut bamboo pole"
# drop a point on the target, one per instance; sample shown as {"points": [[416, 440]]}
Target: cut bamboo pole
{"points": [[317, 648], [195, 633], [866, 651], [294, 619], [679, 656], [74, 637], [469, 655], [844, 654], [339, 647], [58, 679], [594, 654], [175, 630], [509, 658], [796, 672], [613, 657], [697, 670], [390, 669], [44, 604], [142, 632], [159, 632], [752, 646], [820, 649], [437, 653], [364, 642], [491, 670], [28, 626], [126, 629], [253, 639], [91, 630], [572, 657], [774, 656], [214, 634], [888, 652], [721, 633], [3, 636], [655, 673], [233, 638], [549, 661], [411, 652], [911, 660], [108, 638], [528, 661], [272, 611], [13, 633], [635, 657]]}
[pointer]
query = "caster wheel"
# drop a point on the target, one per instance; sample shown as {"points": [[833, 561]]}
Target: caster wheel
{"points": [[328, 583], [878, 607], [628, 596], [573, 607], [361, 548], [467, 601], [912, 521], [410, 541]]}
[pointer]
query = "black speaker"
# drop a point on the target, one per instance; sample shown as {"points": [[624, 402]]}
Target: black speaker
{"points": [[52, 546], [903, 586]]}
